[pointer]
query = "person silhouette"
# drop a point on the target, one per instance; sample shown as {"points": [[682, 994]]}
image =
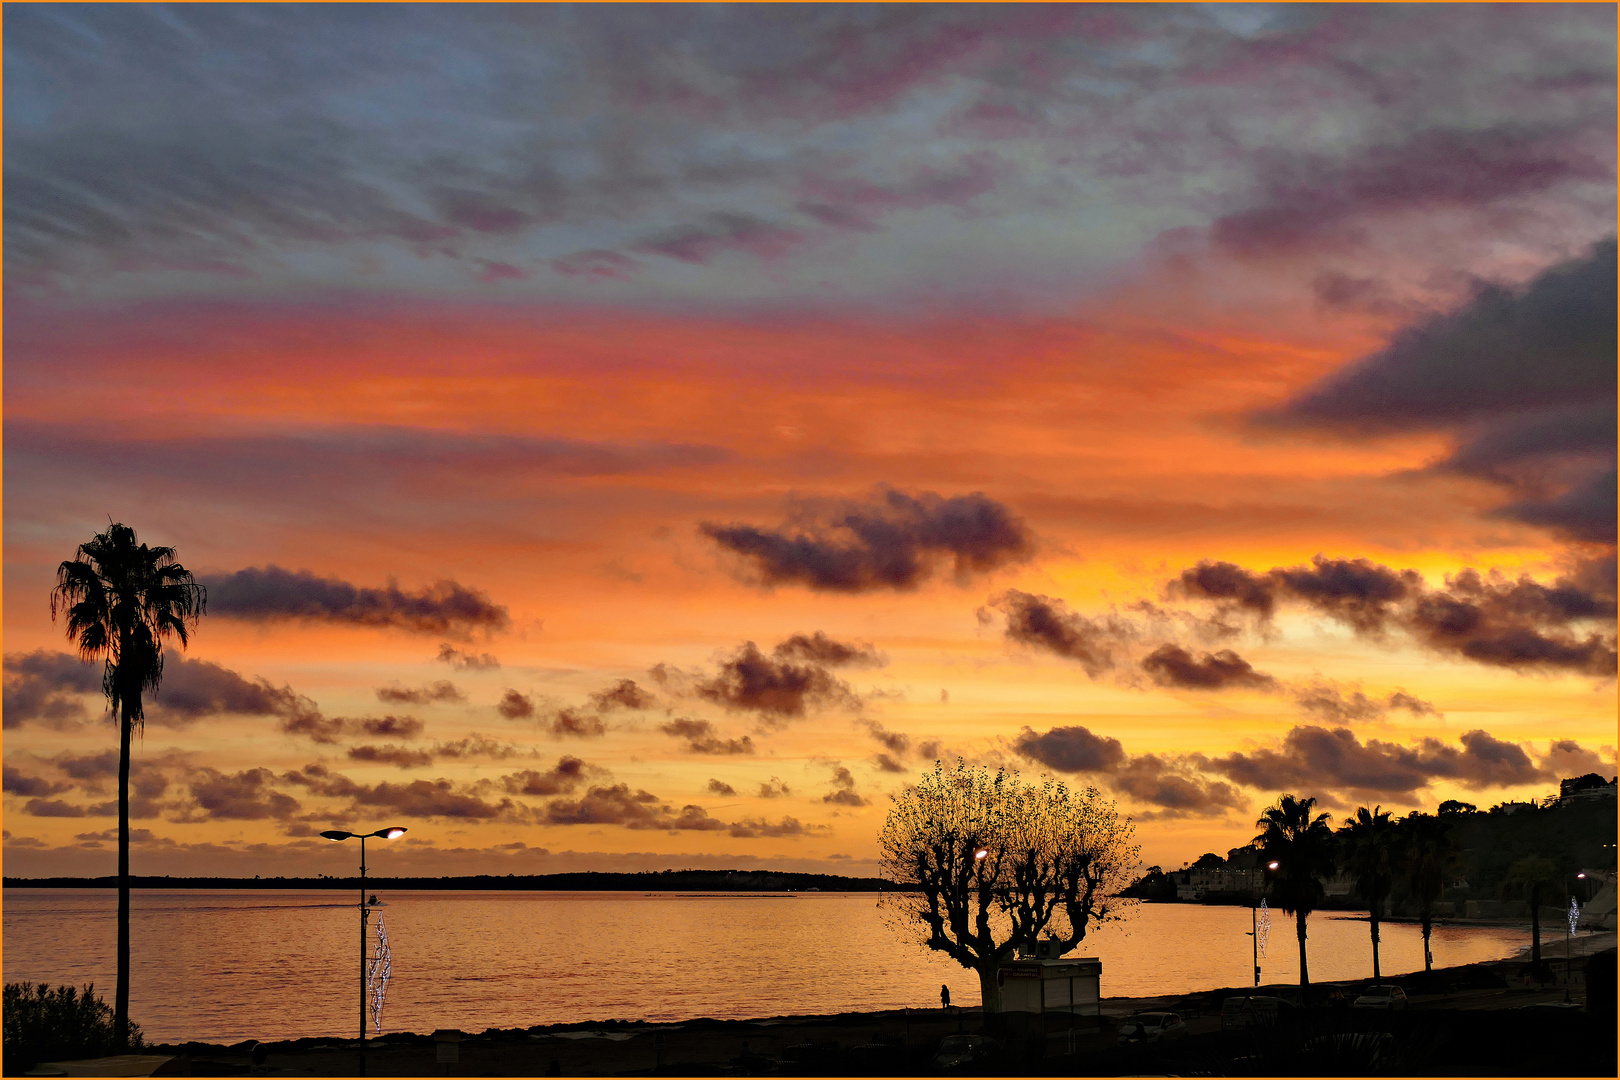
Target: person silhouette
{"points": [[944, 996]]}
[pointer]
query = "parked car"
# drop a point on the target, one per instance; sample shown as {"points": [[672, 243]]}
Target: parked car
{"points": [[963, 1051], [1390, 998], [1254, 1010], [1148, 1027]]}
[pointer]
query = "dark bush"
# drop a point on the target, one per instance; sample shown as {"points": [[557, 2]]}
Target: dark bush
{"points": [[42, 1024]]}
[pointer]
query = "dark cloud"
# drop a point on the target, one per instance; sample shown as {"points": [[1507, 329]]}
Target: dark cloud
{"points": [[271, 592], [750, 828], [1357, 592], [776, 689], [618, 805], [328, 730], [1172, 786], [718, 233], [701, 738], [1228, 582], [774, 789], [720, 787], [558, 780], [843, 793], [46, 687], [1568, 758], [466, 661], [1047, 623], [1159, 782], [18, 784], [442, 690], [402, 756], [818, 648], [1524, 378], [419, 798], [574, 723], [244, 796], [1071, 749], [897, 746], [894, 541], [1171, 665], [624, 694], [560, 723], [477, 746], [1312, 757], [1327, 701], [1308, 200], [58, 808], [1519, 623], [92, 767], [515, 706]]}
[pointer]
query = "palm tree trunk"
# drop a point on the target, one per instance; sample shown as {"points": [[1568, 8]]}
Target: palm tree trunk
{"points": [[1304, 966], [1535, 926], [121, 1000], [1428, 926], [1374, 919]]}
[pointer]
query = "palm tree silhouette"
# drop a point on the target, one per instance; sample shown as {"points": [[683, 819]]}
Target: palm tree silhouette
{"points": [[1429, 855], [1527, 878], [122, 599], [1368, 842], [1302, 849]]}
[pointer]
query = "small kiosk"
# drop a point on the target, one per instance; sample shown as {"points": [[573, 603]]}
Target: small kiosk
{"points": [[1055, 994]]}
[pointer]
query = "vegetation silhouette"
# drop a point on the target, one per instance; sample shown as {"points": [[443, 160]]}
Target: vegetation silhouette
{"points": [[1429, 857], [1302, 848], [122, 600], [991, 863], [42, 1024], [1369, 844], [1527, 878]]}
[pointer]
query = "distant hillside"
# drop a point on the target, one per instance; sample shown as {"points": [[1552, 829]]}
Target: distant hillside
{"points": [[657, 881]]}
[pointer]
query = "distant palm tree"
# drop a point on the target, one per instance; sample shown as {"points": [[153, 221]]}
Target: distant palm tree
{"points": [[1527, 878], [1302, 848], [1368, 843], [1428, 855], [122, 599]]}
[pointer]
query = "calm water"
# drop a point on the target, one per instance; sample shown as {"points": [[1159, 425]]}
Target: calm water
{"points": [[228, 965]]}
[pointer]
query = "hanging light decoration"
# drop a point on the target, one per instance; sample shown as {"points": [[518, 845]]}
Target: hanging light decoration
{"points": [[1574, 914], [378, 969], [1262, 927]]}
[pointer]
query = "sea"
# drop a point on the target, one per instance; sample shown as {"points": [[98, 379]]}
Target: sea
{"points": [[228, 965]]}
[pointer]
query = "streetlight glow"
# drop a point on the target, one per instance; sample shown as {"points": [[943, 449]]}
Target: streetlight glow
{"points": [[374, 970], [1271, 865], [981, 853]]}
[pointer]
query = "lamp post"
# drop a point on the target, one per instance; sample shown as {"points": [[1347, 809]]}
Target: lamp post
{"points": [[391, 833]]}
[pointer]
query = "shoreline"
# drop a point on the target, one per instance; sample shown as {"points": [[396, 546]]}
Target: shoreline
{"points": [[710, 1046]]}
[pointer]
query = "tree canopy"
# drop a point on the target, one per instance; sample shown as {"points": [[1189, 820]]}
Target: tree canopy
{"points": [[999, 863]]}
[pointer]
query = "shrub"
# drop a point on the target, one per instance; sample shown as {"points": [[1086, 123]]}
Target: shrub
{"points": [[42, 1024]]}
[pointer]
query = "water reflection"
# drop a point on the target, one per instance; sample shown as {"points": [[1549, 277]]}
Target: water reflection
{"points": [[224, 966]]}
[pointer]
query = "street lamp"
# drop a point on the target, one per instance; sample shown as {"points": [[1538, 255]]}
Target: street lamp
{"points": [[393, 832], [1254, 930]]}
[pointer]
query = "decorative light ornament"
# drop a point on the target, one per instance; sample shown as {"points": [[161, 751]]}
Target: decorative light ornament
{"points": [[1262, 927], [378, 969], [1574, 914]]}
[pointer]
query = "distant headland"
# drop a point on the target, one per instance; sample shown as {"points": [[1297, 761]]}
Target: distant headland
{"points": [[742, 881]]}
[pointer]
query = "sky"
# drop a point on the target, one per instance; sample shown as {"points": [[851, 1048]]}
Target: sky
{"points": [[641, 437]]}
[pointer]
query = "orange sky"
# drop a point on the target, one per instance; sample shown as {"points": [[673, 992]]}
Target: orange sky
{"points": [[1121, 352]]}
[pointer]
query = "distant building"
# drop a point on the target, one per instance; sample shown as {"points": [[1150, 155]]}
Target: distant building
{"points": [[1580, 788]]}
